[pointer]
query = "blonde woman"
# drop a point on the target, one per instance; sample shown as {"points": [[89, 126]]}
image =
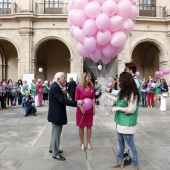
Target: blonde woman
{"points": [[164, 88], [85, 90]]}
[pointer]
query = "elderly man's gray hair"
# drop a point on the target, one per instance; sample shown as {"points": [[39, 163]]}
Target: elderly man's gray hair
{"points": [[58, 75]]}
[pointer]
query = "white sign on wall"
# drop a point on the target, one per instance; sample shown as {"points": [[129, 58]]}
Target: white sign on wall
{"points": [[28, 78]]}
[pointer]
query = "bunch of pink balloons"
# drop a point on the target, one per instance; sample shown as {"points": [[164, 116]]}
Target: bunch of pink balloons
{"points": [[101, 27], [162, 73]]}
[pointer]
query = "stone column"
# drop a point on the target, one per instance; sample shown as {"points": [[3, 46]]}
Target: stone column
{"points": [[76, 66], [25, 55]]}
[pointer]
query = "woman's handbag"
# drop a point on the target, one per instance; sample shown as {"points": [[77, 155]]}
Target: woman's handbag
{"points": [[165, 94], [127, 158]]}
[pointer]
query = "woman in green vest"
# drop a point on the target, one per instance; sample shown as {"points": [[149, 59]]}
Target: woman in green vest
{"points": [[127, 104], [158, 93]]}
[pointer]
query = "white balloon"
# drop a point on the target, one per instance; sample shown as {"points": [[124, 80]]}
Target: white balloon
{"points": [[99, 67], [40, 69]]}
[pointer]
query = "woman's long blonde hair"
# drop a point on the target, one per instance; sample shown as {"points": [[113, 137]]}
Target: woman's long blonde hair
{"points": [[83, 80]]}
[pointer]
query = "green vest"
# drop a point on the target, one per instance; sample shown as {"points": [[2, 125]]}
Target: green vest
{"points": [[33, 89], [157, 90], [139, 88], [45, 89], [23, 90], [125, 119]]}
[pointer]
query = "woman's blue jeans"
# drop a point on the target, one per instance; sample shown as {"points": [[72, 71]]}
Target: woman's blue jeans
{"points": [[129, 139], [143, 93]]}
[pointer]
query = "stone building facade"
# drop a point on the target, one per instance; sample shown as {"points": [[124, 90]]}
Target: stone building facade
{"points": [[35, 33]]}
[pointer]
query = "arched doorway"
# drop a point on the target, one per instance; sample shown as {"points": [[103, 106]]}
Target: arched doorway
{"points": [[8, 61], [146, 58], [53, 56]]}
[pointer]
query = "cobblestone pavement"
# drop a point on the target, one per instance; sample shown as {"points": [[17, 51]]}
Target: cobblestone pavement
{"points": [[24, 141]]}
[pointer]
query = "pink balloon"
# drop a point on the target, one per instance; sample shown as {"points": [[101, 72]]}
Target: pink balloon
{"points": [[92, 9], [149, 84], [124, 9], [25, 86], [117, 50], [103, 37], [105, 60], [71, 15], [71, 5], [19, 90], [107, 50], [79, 4], [97, 93], [79, 35], [4, 85], [133, 13], [109, 7], [90, 27], [13, 103], [157, 74], [81, 50], [133, 2], [14, 91], [118, 39], [117, 1], [116, 23], [102, 21], [147, 89], [109, 85], [90, 44], [72, 30], [87, 105], [128, 25], [10, 84], [153, 85], [99, 1], [137, 74], [51, 82], [161, 74], [79, 18], [96, 55]]}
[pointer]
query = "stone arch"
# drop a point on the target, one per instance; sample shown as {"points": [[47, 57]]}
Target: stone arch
{"points": [[46, 53], [157, 43], [43, 40], [9, 54], [12, 42]]}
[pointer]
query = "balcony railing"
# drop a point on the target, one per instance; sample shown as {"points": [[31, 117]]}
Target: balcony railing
{"points": [[51, 8], [151, 11], [8, 8]]}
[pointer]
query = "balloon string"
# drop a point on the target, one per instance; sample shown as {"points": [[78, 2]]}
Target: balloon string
{"points": [[81, 120]]}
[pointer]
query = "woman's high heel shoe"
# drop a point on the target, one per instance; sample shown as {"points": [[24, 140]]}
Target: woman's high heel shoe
{"points": [[88, 146], [82, 147]]}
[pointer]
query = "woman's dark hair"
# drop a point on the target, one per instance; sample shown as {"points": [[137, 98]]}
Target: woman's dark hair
{"points": [[9, 81], [131, 66], [20, 81], [127, 87]]}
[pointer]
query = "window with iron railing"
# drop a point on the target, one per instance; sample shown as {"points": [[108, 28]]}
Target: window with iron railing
{"points": [[147, 8], [53, 6], [6, 7]]}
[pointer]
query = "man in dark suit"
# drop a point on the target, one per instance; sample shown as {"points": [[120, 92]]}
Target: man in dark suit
{"points": [[72, 88], [57, 113]]}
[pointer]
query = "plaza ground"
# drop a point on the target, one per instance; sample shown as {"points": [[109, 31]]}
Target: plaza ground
{"points": [[24, 141]]}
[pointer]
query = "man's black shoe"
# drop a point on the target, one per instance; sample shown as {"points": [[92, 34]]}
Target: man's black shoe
{"points": [[58, 152], [59, 157]]}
